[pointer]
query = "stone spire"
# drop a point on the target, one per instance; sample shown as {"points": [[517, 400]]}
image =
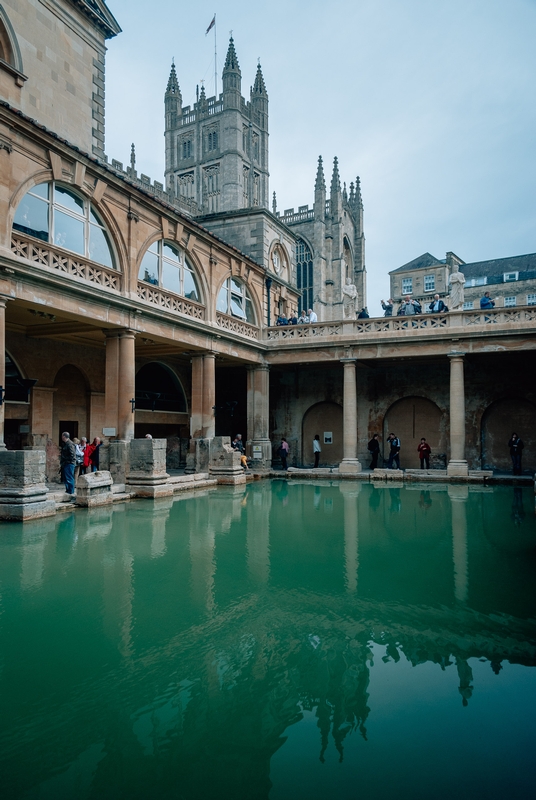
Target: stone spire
{"points": [[132, 157], [231, 79], [358, 198], [274, 204], [320, 192], [202, 103], [335, 178], [259, 87], [172, 100], [344, 193]]}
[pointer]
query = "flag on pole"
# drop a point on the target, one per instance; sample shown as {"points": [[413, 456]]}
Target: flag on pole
{"points": [[211, 24]]}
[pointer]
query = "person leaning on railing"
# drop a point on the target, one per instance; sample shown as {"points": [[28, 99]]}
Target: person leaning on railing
{"points": [[437, 305], [409, 307], [486, 301]]}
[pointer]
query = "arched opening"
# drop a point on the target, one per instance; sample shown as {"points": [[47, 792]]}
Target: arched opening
{"points": [[71, 411], [326, 420], [348, 259], [234, 299], [165, 264], [17, 408], [410, 419], [499, 421], [9, 47], [161, 411]]}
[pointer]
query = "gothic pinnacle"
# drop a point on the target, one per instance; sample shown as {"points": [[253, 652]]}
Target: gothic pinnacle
{"points": [[231, 61], [320, 183], [259, 87], [335, 178], [173, 84]]}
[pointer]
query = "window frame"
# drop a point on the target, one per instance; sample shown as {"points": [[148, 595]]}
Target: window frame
{"points": [[404, 289], [508, 279], [304, 275], [432, 279], [531, 302], [90, 218], [226, 295], [181, 264], [510, 304]]}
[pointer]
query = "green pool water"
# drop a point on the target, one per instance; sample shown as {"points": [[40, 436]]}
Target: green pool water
{"points": [[283, 640]]}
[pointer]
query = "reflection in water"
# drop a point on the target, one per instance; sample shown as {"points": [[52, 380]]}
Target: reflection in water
{"points": [[235, 643]]}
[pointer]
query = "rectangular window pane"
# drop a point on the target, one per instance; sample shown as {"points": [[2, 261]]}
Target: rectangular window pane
{"points": [[221, 305], [509, 301], [467, 306], [68, 200], [171, 277], [249, 312], [310, 273], [407, 285], [236, 286], [170, 253], [531, 299], [190, 288], [237, 309], [68, 232], [99, 247], [32, 217], [149, 269], [429, 283], [41, 190], [298, 276]]}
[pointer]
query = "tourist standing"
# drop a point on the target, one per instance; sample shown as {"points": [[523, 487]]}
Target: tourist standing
{"points": [[79, 457], [424, 450], [303, 319], [409, 307], [312, 315], [82, 446], [363, 314], [437, 305], [394, 452], [68, 462], [388, 307], [316, 449], [92, 454], [516, 449], [283, 452], [293, 320], [486, 301], [374, 450]]}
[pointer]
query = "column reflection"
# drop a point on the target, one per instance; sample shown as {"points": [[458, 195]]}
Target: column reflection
{"points": [[350, 492], [258, 534], [458, 496]]}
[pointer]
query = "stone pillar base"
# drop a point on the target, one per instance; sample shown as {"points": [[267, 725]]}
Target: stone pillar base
{"points": [[151, 490], [457, 469], [225, 462], [23, 493], [198, 456], [94, 489], [228, 476], [264, 448], [350, 466], [118, 460]]}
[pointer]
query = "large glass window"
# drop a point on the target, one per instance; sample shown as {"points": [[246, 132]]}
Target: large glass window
{"points": [[56, 214], [304, 276], [234, 300], [164, 264], [429, 283]]}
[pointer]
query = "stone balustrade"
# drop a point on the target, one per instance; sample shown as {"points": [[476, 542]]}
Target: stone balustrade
{"points": [[235, 325], [167, 301], [521, 318]]}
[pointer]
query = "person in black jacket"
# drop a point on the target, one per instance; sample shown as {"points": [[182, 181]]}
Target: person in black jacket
{"points": [[394, 452], [67, 462], [437, 306], [374, 450], [516, 449]]}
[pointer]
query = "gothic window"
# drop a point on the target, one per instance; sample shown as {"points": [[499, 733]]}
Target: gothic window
{"points": [[211, 188], [186, 148], [245, 138], [245, 185], [304, 275], [164, 264], [59, 215], [234, 300], [212, 141], [256, 146], [186, 185]]}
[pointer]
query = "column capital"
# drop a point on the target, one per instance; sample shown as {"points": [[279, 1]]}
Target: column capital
{"points": [[254, 367], [5, 298], [348, 360], [456, 355], [122, 333]]}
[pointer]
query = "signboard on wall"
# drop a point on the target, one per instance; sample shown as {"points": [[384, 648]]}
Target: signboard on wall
{"points": [[328, 437], [257, 452], [108, 432]]}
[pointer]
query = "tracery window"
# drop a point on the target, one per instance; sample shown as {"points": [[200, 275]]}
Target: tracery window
{"points": [[234, 300], [304, 275], [186, 148], [60, 216], [164, 264], [212, 141]]}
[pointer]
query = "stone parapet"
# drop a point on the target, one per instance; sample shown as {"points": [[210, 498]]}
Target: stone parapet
{"points": [[94, 489], [147, 476], [225, 462], [23, 492]]}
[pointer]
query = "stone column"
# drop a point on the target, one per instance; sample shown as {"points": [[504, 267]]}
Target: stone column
{"points": [[196, 408], [457, 466], [209, 395], [258, 404], [349, 463], [3, 302], [126, 384], [111, 391]]}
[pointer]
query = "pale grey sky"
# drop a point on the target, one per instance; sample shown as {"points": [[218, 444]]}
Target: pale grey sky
{"points": [[430, 102]]}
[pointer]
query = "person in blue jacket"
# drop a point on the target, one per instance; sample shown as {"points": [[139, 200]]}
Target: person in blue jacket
{"points": [[486, 301]]}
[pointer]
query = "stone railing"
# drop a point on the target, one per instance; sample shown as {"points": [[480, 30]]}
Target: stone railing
{"points": [[504, 317], [170, 302], [235, 325], [63, 261]]}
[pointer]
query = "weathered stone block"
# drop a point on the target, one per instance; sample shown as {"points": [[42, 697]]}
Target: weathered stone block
{"points": [[147, 462], [23, 492], [94, 489], [225, 462]]}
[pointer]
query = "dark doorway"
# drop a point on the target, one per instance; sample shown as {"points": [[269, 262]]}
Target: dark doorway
{"points": [[70, 427], [12, 435], [231, 402]]}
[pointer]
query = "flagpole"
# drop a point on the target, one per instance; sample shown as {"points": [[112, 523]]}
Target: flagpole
{"points": [[215, 64]]}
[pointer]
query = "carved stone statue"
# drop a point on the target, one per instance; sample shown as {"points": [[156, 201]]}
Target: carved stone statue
{"points": [[349, 299], [456, 281]]}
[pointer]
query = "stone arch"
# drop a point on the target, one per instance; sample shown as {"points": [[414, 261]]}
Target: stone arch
{"points": [[9, 46], [71, 403], [194, 260], [156, 378], [411, 418], [325, 417], [500, 419], [251, 295]]}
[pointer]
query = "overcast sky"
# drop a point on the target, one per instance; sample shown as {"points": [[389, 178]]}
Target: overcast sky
{"points": [[431, 102]]}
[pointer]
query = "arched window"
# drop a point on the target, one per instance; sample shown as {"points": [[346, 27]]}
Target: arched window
{"points": [[59, 215], [157, 389], [164, 264], [304, 275], [234, 300]]}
